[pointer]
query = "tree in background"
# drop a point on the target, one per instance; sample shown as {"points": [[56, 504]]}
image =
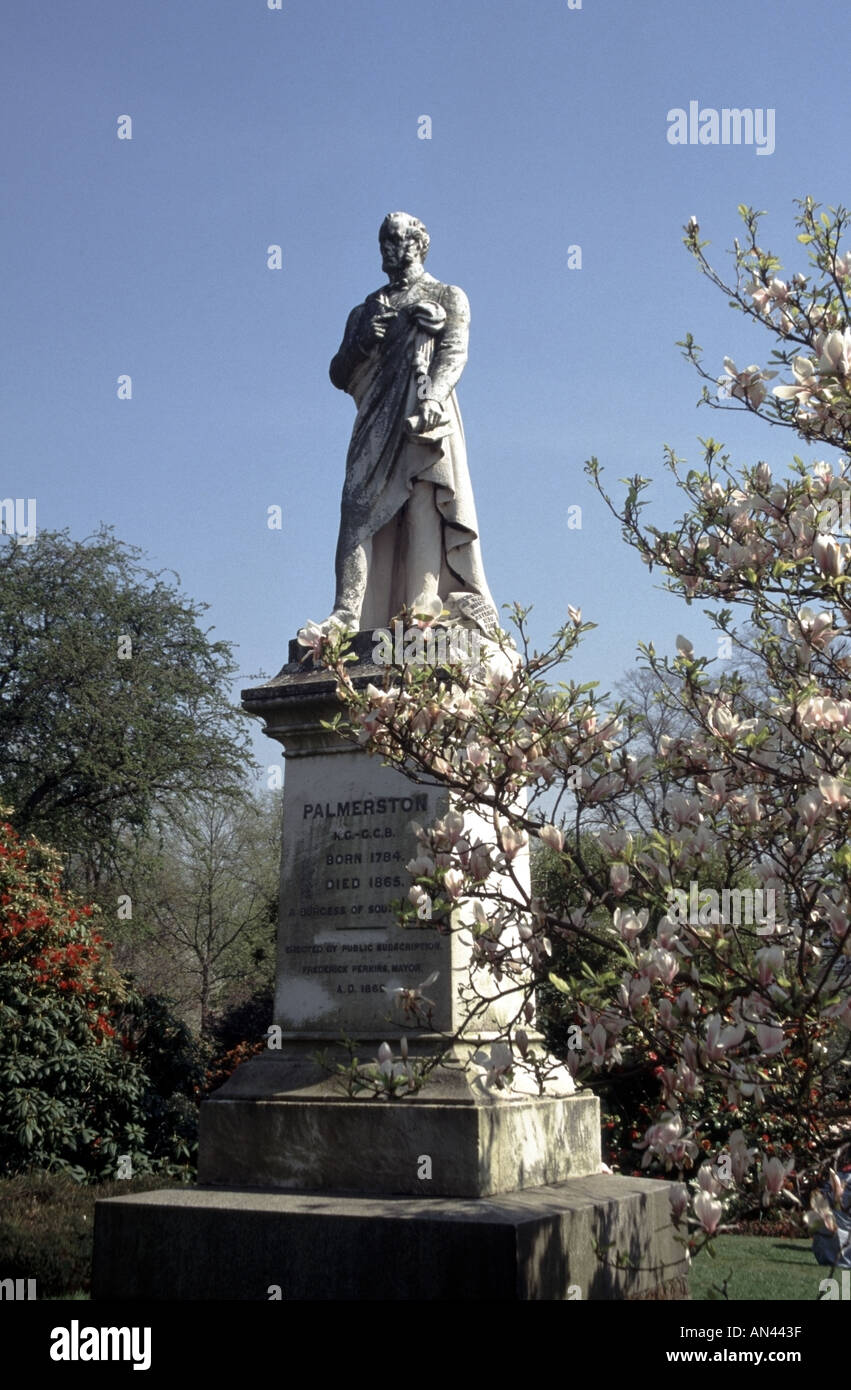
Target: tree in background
{"points": [[113, 698], [204, 892]]}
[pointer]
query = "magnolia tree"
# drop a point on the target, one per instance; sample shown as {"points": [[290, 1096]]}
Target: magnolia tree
{"points": [[716, 904]]}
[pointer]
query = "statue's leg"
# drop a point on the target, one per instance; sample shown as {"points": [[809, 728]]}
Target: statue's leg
{"points": [[424, 543], [352, 567]]}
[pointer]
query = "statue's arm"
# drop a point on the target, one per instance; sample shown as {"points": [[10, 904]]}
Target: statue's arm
{"points": [[450, 347], [350, 354]]}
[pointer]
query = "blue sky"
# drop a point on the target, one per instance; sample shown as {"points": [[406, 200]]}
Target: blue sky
{"points": [[298, 127]]}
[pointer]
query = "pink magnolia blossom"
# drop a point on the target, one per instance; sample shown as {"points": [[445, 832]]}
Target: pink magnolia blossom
{"points": [[512, 841], [412, 997], [708, 1212], [829, 555], [772, 1041], [662, 965], [834, 351], [774, 1174], [498, 1065], [421, 900], [619, 878], [816, 629], [810, 808], [805, 384], [741, 1157], [747, 385], [552, 837], [678, 1196], [453, 882], [476, 755], [770, 297], [707, 1179], [770, 961], [840, 1011], [833, 791], [720, 1040], [629, 924], [683, 810], [727, 725], [686, 1002], [420, 867], [637, 991], [668, 1140]]}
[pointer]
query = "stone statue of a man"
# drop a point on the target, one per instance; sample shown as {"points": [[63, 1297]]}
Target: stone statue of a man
{"points": [[408, 529]]}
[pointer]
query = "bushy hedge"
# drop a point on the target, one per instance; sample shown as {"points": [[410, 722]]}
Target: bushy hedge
{"points": [[90, 1071], [46, 1225]]}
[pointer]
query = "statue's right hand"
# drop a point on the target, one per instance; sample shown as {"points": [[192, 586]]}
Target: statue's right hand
{"points": [[376, 327]]}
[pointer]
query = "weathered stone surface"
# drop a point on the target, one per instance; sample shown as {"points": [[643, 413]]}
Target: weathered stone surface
{"points": [[282, 1120], [476, 1143], [408, 528], [538, 1245], [348, 835]]}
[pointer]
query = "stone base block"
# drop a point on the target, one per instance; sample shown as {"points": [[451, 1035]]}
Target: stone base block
{"points": [[448, 1142], [200, 1243]]}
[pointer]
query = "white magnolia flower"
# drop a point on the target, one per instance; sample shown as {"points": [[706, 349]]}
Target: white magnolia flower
{"points": [[551, 836], [708, 1212]]}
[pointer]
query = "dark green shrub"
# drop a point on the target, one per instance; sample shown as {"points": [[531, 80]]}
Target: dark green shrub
{"points": [[46, 1225]]}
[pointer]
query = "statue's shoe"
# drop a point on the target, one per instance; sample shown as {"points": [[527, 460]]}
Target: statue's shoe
{"points": [[342, 618]]}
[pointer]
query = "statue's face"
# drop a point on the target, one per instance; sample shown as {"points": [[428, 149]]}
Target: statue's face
{"points": [[399, 249]]}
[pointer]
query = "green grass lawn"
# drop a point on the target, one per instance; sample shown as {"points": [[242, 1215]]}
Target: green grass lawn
{"points": [[759, 1267]]}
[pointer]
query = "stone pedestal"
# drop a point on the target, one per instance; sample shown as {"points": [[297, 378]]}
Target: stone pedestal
{"points": [[540, 1244], [259, 1130], [455, 1191], [349, 830], [284, 1121]]}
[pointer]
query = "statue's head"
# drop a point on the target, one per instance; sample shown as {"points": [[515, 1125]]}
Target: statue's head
{"points": [[403, 240]]}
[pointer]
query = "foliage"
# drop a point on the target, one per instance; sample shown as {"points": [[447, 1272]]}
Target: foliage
{"points": [[73, 1098], [46, 1226], [226, 1064], [112, 697], [204, 891], [810, 312], [173, 1063], [246, 1021]]}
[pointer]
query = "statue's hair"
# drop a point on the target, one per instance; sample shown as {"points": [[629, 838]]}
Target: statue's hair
{"points": [[415, 227]]}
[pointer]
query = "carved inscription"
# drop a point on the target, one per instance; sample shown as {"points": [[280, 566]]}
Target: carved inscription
{"points": [[344, 953]]}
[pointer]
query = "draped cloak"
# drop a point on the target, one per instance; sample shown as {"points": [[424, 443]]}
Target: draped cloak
{"points": [[384, 459]]}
